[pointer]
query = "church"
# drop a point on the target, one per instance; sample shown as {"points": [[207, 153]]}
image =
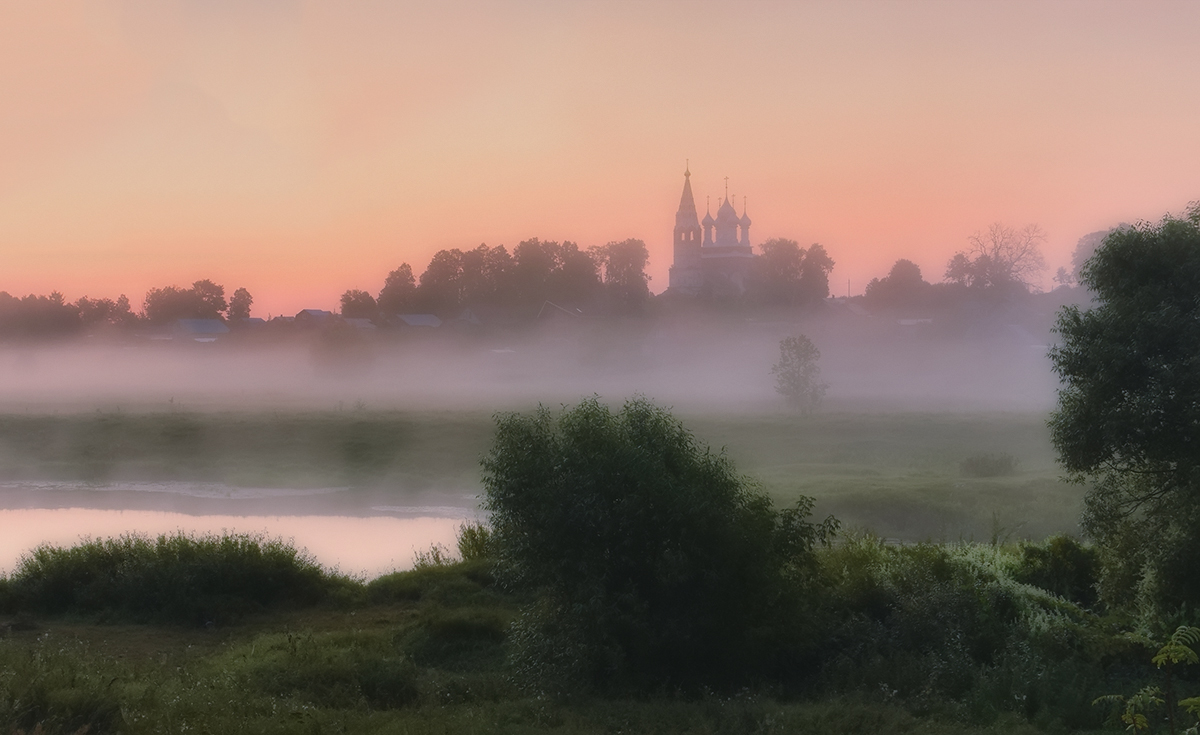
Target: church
{"points": [[715, 260]]}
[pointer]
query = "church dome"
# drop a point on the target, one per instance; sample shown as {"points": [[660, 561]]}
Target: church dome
{"points": [[727, 213], [745, 220], [708, 220]]}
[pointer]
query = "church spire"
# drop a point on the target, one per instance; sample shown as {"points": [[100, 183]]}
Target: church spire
{"points": [[687, 204]]}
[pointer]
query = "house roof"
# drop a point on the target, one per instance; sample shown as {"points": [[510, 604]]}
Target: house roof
{"points": [[317, 314]]}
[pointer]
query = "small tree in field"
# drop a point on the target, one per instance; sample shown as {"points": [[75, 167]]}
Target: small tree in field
{"points": [[797, 375]]}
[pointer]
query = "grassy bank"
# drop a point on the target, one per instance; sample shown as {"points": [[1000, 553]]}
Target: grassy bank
{"points": [[427, 651]]}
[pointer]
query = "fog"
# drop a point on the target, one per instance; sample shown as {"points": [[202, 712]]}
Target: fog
{"points": [[697, 363], [323, 491]]}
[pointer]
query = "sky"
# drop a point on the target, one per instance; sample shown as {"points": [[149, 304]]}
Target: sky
{"points": [[300, 149]]}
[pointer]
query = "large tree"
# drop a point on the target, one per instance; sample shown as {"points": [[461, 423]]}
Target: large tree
{"points": [[1003, 258], [399, 291], [358, 304], [204, 300], [624, 265], [902, 286], [1128, 415], [239, 305], [785, 273]]}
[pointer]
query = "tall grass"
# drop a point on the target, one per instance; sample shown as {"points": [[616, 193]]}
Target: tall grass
{"points": [[172, 578]]}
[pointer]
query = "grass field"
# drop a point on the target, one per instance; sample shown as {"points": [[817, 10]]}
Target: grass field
{"points": [[896, 474]]}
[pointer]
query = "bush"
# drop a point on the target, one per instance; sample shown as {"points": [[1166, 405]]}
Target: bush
{"points": [[950, 625], [1063, 566], [474, 541], [178, 578], [654, 561], [989, 465]]}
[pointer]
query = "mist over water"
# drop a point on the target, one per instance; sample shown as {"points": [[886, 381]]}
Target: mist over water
{"points": [[338, 492], [714, 363]]}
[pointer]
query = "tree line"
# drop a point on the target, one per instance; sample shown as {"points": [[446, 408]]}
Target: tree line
{"points": [[53, 315], [611, 279]]}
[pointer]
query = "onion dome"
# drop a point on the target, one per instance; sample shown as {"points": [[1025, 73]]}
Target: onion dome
{"points": [[726, 213], [708, 220], [745, 220]]}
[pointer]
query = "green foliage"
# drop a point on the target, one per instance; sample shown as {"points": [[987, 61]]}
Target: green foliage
{"points": [[474, 541], [177, 578], [988, 465], [1063, 566], [654, 561], [56, 688], [1133, 711], [950, 625], [797, 375], [1129, 409]]}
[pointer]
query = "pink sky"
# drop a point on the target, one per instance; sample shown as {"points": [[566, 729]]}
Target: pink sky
{"points": [[300, 149]]}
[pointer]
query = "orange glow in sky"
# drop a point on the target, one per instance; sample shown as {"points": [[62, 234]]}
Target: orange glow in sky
{"points": [[299, 149]]}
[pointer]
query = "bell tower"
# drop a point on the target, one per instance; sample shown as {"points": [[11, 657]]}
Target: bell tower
{"points": [[687, 223], [685, 275]]}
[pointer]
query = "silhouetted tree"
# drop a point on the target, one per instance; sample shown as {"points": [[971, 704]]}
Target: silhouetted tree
{"points": [[399, 291], [210, 299], [777, 271], [1063, 277], [239, 305], [575, 278], [35, 316], [902, 286], [358, 304], [533, 261], [204, 300], [814, 274], [785, 273], [440, 291], [624, 265], [486, 275], [97, 312], [1002, 258]]}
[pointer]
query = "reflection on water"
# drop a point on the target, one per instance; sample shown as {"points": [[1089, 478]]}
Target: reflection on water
{"points": [[368, 546]]}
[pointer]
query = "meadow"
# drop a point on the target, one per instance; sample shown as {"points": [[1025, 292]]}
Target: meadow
{"points": [[899, 475], [426, 650]]}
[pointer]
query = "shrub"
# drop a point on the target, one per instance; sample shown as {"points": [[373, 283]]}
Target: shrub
{"points": [[474, 541], [989, 465], [942, 625], [1063, 566], [654, 561], [180, 578]]}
